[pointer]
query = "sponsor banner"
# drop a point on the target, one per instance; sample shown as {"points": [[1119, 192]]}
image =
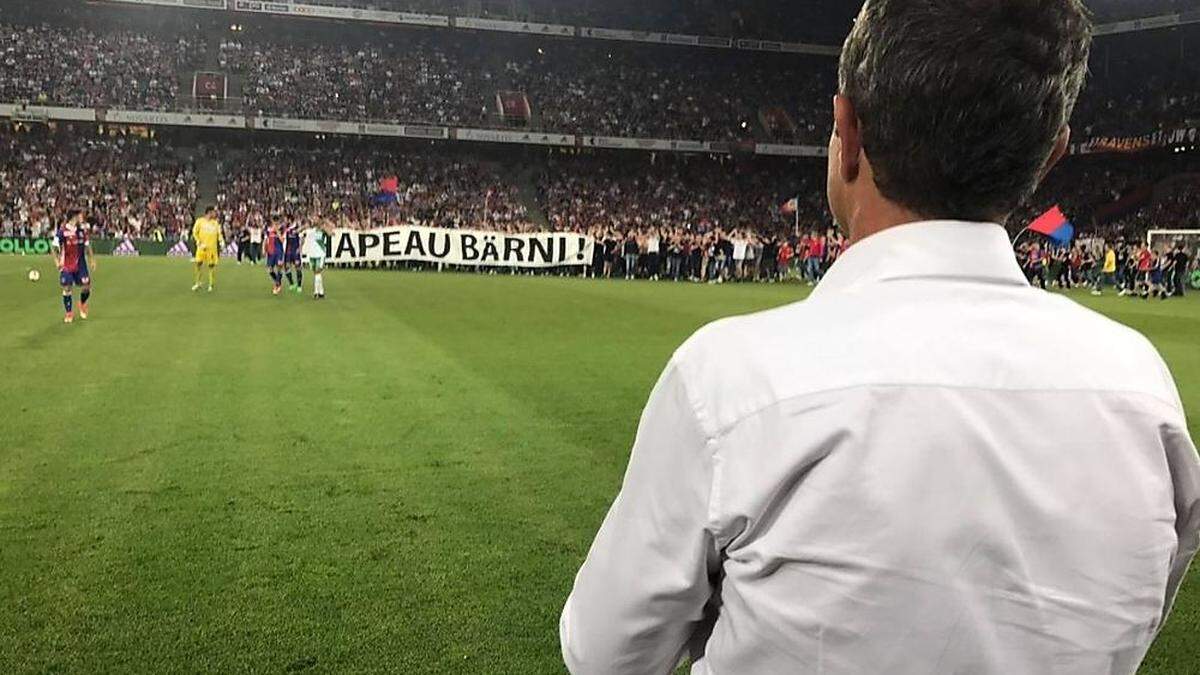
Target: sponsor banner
{"points": [[460, 247], [45, 113], [802, 48], [344, 13], [126, 248], [712, 41], [709, 41], [1158, 139], [313, 126], [179, 250], [782, 150], [198, 119], [653, 144], [196, 4], [1148, 23], [6, 109], [353, 128], [523, 137], [421, 131], [515, 26], [24, 246]]}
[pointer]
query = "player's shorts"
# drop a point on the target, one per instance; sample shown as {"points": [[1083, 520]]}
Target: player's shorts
{"points": [[274, 259], [292, 258], [79, 277], [316, 264], [207, 256]]}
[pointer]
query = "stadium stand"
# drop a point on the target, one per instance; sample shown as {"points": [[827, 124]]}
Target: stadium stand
{"points": [[129, 185], [1140, 82]]}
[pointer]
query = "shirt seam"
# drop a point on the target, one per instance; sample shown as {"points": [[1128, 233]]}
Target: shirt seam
{"points": [[724, 430]]}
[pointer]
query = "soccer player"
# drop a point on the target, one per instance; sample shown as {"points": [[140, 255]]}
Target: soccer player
{"points": [[273, 248], [209, 241], [292, 260], [74, 258], [314, 252]]}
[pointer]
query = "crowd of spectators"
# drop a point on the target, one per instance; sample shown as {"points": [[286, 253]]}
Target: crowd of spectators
{"points": [[1139, 83], [128, 185], [419, 80], [345, 183], [79, 67]]}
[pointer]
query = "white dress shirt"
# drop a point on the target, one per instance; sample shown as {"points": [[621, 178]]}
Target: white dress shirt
{"points": [[926, 467]]}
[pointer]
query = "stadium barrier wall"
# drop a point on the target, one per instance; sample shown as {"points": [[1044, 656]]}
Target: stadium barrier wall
{"points": [[41, 246]]}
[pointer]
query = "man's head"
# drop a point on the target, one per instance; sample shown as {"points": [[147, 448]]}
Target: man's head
{"points": [[952, 109], [210, 212]]}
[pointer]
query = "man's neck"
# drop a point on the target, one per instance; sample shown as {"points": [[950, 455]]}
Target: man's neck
{"points": [[875, 216]]}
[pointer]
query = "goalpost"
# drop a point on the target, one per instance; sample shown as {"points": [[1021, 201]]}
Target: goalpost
{"points": [[1164, 240], [1161, 239]]}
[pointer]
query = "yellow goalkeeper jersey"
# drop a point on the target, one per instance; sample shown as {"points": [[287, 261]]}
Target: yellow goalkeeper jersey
{"points": [[207, 233]]}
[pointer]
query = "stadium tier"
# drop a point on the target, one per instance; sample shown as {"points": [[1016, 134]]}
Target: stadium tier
{"points": [[147, 187], [1141, 83]]}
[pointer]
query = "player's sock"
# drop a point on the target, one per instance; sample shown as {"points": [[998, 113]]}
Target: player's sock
{"points": [[289, 278], [68, 302], [196, 276], [212, 277], [299, 278]]}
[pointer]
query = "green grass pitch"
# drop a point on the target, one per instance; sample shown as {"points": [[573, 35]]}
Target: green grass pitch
{"points": [[403, 478]]}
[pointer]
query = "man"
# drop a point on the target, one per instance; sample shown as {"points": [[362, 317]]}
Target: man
{"points": [[256, 238], [1108, 270], [243, 244], [292, 260], [206, 232], [273, 249], [314, 251], [1179, 269], [74, 259], [943, 478]]}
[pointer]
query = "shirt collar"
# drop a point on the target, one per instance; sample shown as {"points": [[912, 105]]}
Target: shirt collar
{"points": [[946, 249]]}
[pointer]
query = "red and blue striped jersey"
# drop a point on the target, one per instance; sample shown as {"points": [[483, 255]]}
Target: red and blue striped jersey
{"points": [[72, 241]]}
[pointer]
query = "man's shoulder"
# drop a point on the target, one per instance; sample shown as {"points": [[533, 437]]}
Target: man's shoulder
{"points": [[1032, 340]]}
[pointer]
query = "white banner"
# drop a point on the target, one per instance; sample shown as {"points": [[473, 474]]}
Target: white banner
{"points": [[783, 150], [45, 113], [1148, 23], [342, 13], [460, 247], [523, 137], [213, 119], [651, 144], [515, 26], [354, 128], [196, 4]]}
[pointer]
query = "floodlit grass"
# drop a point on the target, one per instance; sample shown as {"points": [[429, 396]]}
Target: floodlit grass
{"points": [[403, 478]]}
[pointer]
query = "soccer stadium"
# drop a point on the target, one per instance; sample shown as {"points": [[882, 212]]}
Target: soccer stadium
{"points": [[602, 336]]}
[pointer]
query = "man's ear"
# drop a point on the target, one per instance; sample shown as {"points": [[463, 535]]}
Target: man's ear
{"points": [[849, 135], [1061, 145]]}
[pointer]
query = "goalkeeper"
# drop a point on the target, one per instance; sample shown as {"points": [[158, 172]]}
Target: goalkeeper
{"points": [[209, 241]]}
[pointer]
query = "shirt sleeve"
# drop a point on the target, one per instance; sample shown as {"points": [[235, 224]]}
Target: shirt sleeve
{"points": [[642, 592], [1185, 480]]}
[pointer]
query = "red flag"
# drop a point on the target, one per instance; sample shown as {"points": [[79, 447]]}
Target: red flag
{"points": [[389, 185], [1049, 222]]}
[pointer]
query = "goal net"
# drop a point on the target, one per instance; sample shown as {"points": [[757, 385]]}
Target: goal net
{"points": [[1161, 240], [1166, 240]]}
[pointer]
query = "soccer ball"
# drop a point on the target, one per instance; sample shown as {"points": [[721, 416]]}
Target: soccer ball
{"points": [[34, 275]]}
